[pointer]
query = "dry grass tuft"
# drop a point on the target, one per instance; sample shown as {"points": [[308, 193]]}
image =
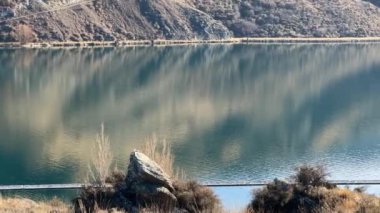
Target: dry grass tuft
{"points": [[94, 199], [163, 156], [191, 196], [346, 200], [21, 205], [102, 158]]}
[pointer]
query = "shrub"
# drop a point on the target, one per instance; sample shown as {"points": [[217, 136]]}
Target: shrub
{"points": [[303, 194], [274, 197], [311, 176], [196, 198], [242, 28], [309, 191], [191, 196], [94, 198], [102, 158], [25, 34]]}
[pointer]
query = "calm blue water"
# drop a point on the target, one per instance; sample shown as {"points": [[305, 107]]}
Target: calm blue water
{"points": [[231, 112]]}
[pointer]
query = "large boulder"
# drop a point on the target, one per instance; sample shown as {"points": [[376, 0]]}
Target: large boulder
{"points": [[146, 193], [147, 187], [147, 182], [142, 169]]}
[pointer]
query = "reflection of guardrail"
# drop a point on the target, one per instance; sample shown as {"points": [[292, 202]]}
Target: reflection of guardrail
{"points": [[248, 184]]}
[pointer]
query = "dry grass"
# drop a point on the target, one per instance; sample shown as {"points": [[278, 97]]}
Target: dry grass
{"points": [[348, 201], [24, 205], [162, 155], [190, 195], [102, 158]]}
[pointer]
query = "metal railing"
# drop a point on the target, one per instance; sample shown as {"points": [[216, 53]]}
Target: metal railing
{"points": [[241, 184]]}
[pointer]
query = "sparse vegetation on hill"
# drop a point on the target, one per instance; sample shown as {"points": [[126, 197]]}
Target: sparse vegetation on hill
{"points": [[188, 19]]}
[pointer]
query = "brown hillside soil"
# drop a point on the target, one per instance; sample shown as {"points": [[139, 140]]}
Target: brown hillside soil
{"points": [[189, 19]]}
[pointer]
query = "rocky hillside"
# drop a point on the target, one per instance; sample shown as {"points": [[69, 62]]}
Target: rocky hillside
{"points": [[79, 20]]}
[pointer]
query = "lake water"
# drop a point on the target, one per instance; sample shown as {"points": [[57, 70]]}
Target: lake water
{"points": [[231, 112]]}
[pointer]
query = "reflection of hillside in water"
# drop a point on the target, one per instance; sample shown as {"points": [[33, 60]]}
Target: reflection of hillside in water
{"points": [[231, 109]]}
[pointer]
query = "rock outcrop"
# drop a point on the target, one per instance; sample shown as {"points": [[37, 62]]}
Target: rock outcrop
{"points": [[145, 186], [142, 169], [147, 180]]}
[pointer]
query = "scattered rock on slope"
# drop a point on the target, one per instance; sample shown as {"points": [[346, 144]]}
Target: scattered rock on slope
{"points": [[188, 19]]}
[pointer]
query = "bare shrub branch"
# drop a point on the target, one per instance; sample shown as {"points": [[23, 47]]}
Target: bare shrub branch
{"points": [[101, 158], [25, 34]]}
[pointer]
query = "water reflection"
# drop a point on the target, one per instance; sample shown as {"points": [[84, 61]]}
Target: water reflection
{"points": [[237, 112]]}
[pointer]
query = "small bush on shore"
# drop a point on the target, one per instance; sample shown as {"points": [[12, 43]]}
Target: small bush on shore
{"points": [[196, 198], [309, 191], [311, 176]]}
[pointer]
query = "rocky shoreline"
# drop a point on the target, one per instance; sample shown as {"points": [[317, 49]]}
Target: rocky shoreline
{"points": [[162, 42]]}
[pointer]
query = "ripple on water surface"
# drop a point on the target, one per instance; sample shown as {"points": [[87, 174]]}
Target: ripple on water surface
{"points": [[231, 112]]}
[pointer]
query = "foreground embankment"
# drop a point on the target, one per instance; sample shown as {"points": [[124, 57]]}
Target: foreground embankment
{"points": [[162, 42], [151, 183], [146, 187]]}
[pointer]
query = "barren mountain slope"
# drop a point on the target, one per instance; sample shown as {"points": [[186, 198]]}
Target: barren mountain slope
{"points": [[187, 19], [317, 18]]}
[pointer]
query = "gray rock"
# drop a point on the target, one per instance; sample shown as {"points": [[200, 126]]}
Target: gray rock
{"points": [[142, 170], [147, 181], [153, 192]]}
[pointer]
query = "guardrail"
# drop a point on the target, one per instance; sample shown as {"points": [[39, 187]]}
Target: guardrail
{"points": [[241, 184]]}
